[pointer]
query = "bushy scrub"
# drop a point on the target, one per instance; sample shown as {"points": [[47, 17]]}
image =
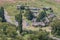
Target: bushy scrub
{"points": [[56, 27]]}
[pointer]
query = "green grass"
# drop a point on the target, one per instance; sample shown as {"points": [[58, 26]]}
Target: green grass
{"points": [[11, 8]]}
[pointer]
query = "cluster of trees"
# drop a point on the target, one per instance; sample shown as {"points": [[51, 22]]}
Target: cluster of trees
{"points": [[8, 32], [37, 35]]}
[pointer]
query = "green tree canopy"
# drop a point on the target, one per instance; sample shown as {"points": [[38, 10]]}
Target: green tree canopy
{"points": [[29, 15], [56, 27], [8, 31], [2, 14], [41, 16]]}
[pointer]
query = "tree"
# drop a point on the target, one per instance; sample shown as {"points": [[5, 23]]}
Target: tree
{"points": [[2, 14], [1, 11], [56, 27], [39, 35], [41, 16], [29, 15], [19, 19], [7, 31]]}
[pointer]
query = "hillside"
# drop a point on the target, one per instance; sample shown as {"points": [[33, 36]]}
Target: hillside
{"points": [[11, 5], [29, 19]]}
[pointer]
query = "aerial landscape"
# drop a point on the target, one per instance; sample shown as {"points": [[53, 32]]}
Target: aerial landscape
{"points": [[29, 19]]}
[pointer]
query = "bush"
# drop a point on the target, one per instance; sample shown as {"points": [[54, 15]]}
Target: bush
{"points": [[56, 27]]}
